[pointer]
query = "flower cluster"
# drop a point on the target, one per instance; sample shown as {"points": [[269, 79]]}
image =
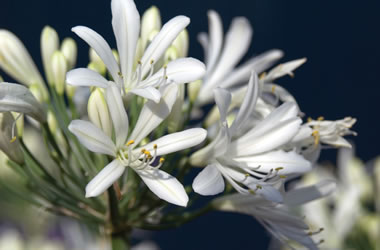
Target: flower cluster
{"points": [[117, 138]]}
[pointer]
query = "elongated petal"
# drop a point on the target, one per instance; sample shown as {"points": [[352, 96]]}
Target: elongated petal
{"points": [[85, 77], [284, 69], [92, 137], [289, 162], [223, 101], [177, 141], [248, 104], [268, 140], [150, 93], [17, 98], [118, 114], [270, 193], [216, 39], [101, 47], [162, 41], [209, 181], [126, 26], [183, 70], [152, 114], [165, 186], [303, 195], [105, 178]]}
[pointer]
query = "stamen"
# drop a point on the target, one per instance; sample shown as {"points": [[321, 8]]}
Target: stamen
{"points": [[316, 136], [309, 119], [14, 127], [262, 75], [129, 143], [279, 168], [273, 89], [321, 118]]}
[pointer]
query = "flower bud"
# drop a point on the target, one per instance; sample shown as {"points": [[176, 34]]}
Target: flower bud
{"points": [[37, 92], [170, 54], [182, 43], [175, 119], [70, 90], [98, 111], [16, 61], [49, 44], [52, 122], [151, 20], [69, 50], [9, 142], [59, 70], [193, 89], [97, 67]]}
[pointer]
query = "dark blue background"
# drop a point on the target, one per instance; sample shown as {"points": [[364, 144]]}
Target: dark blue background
{"points": [[339, 38]]}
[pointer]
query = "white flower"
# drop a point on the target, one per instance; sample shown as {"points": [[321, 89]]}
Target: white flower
{"points": [[140, 80], [275, 217], [221, 57], [124, 148], [251, 162]]}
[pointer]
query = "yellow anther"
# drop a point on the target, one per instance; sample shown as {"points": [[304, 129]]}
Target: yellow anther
{"points": [[321, 118], [120, 74], [139, 62], [283, 176], [13, 139], [165, 66], [246, 175], [273, 88], [162, 160], [279, 168], [262, 75], [151, 61], [143, 150], [155, 146], [130, 142], [315, 134], [251, 191], [309, 119], [259, 187]]}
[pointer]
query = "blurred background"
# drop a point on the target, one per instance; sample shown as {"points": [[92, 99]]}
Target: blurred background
{"points": [[340, 40]]}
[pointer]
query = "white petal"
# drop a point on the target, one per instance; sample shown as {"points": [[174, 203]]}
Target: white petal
{"points": [[85, 77], [291, 162], [118, 114], [92, 137], [223, 101], [248, 105], [303, 195], [183, 70], [101, 47], [270, 193], [152, 114], [150, 93], [268, 140], [105, 178], [284, 69], [162, 41], [216, 39], [203, 40], [258, 64], [177, 141], [209, 181], [126, 27], [17, 98], [165, 186], [238, 39]]}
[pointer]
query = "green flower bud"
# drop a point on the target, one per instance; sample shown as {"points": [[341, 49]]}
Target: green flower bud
{"points": [[59, 70], [69, 50], [98, 111], [49, 44]]}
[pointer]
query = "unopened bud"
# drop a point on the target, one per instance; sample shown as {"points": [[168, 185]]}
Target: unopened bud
{"points": [[193, 89], [49, 44], [52, 122], [98, 111], [69, 50], [151, 20], [97, 67], [182, 43], [37, 92], [70, 90], [59, 70], [9, 142], [171, 54]]}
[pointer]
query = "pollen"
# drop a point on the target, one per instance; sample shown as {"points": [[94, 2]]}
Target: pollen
{"points": [[283, 176], [139, 62], [155, 146], [162, 160], [130, 142], [13, 139], [151, 61], [279, 168]]}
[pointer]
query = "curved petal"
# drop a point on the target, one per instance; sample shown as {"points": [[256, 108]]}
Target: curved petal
{"points": [[183, 70], [216, 38], [209, 181], [290, 162], [177, 141], [270, 193], [162, 41], [126, 27], [165, 186], [152, 114], [105, 178], [149, 93], [101, 47], [85, 77], [284, 69], [223, 101], [92, 137], [118, 114], [248, 105]]}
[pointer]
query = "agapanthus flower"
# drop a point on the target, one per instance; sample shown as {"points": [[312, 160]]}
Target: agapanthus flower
{"points": [[126, 151], [253, 162], [133, 74]]}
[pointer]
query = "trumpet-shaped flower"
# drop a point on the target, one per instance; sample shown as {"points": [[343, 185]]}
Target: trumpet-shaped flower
{"points": [[142, 79], [253, 162], [124, 149]]}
